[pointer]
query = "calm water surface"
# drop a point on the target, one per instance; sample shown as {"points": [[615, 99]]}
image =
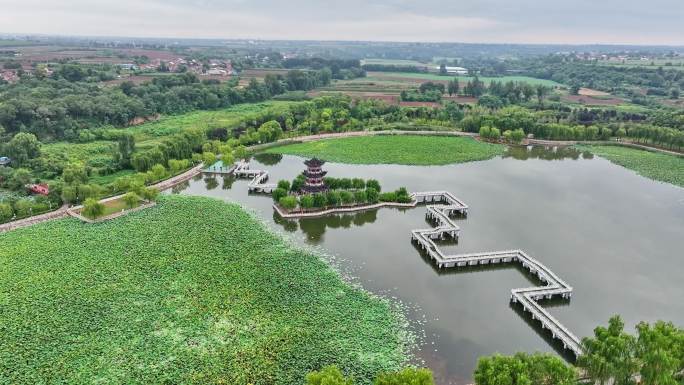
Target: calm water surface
{"points": [[616, 237]]}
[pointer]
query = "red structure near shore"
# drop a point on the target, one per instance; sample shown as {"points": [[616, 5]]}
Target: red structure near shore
{"points": [[40, 189], [314, 176]]}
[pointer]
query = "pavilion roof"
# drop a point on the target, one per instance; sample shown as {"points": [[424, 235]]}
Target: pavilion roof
{"points": [[314, 162]]}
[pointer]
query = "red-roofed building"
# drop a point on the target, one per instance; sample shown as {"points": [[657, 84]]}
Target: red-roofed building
{"points": [[40, 189]]}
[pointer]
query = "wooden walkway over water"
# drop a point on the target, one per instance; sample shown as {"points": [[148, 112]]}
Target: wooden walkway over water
{"points": [[445, 228], [259, 178]]}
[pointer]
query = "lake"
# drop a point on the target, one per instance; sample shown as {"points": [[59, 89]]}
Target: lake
{"points": [[616, 237]]}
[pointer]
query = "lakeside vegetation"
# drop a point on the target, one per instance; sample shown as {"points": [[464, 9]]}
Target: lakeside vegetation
{"points": [[216, 298], [654, 165], [395, 149]]}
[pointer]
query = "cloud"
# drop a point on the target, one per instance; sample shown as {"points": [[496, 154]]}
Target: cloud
{"points": [[520, 21]]}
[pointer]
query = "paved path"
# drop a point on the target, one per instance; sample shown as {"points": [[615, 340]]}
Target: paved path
{"points": [[59, 213], [64, 211]]}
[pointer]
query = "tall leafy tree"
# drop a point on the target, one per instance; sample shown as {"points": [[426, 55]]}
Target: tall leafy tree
{"points": [[22, 147]]}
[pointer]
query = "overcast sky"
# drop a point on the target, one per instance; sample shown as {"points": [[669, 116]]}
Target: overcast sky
{"points": [[659, 22]]}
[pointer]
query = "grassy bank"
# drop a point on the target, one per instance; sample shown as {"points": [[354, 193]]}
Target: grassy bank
{"points": [[395, 149], [657, 166], [166, 295]]}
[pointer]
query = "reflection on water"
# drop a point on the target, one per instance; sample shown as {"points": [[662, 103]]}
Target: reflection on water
{"points": [[210, 182], [575, 213], [182, 186], [314, 228], [268, 159], [546, 153]]}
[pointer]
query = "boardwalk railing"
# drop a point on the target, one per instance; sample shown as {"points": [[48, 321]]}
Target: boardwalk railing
{"points": [[259, 178], [527, 297]]}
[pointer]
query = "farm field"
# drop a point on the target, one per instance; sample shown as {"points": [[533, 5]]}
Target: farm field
{"points": [[395, 62], [216, 298], [421, 77], [149, 133], [395, 149], [657, 166]]}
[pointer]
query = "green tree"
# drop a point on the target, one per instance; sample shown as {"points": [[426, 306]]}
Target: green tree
{"points": [[609, 354], [288, 202], [208, 158], [278, 194], [92, 208], [453, 87], [69, 194], [517, 135], [22, 147], [660, 350], [125, 149], [306, 201], [523, 369], [358, 183], [150, 193], [319, 200], [372, 195], [240, 152], [19, 179], [443, 69], [407, 376], [332, 198], [131, 199], [360, 196], [374, 184], [346, 197], [158, 172], [284, 184], [75, 173], [330, 375]]}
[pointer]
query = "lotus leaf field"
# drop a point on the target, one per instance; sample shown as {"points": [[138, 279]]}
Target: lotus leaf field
{"points": [[657, 166], [191, 291], [395, 149]]}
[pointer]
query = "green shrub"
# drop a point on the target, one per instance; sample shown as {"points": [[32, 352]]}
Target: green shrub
{"points": [[388, 197], [176, 166], [374, 184], [158, 172], [278, 194], [23, 208], [6, 212], [360, 196], [319, 200], [283, 184], [332, 198], [346, 197], [306, 201], [150, 193], [358, 183], [297, 183], [288, 202], [407, 376], [372, 195]]}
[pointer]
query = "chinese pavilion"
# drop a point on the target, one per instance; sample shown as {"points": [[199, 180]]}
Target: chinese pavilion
{"points": [[314, 176]]}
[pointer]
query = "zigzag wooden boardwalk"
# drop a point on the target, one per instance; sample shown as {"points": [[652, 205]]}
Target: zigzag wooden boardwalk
{"points": [[527, 297]]}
